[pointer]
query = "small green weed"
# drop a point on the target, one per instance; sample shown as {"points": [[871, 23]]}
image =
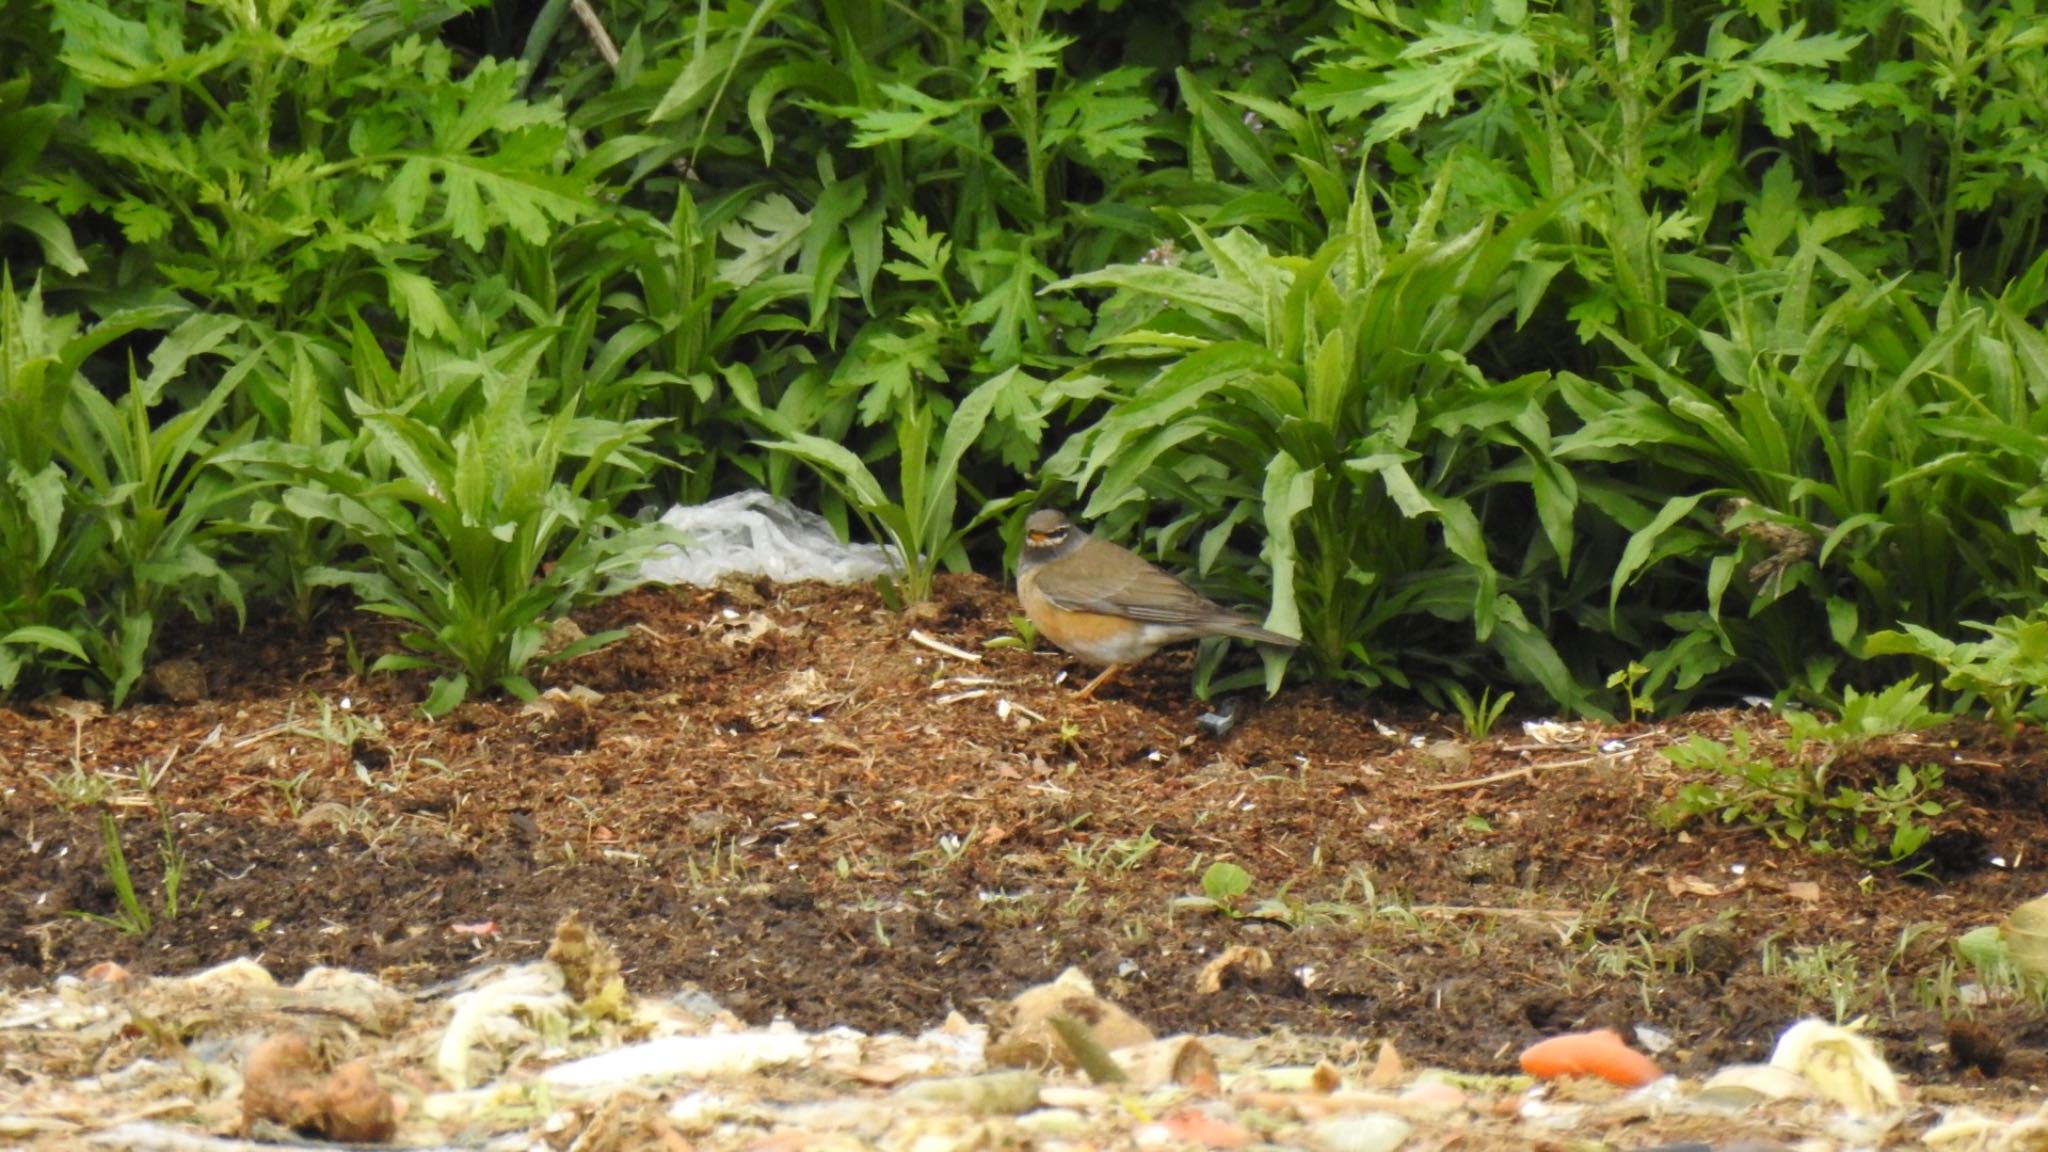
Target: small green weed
{"points": [[1359, 889], [342, 729], [1225, 887], [727, 864], [1825, 973], [2004, 671], [1632, 957], [949, 849], [1478, 716], [1792, 803], [133, 919], [1070, 737], [291, 789], [1867, 716], [1785, 788], [1631, 682], [1023, 636], [1101, 854], [77, 787]]}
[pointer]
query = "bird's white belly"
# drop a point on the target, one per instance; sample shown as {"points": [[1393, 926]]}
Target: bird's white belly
{"points": [[1134, 645]]}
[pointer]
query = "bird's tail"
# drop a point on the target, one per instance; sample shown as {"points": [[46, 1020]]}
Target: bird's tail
{"points": [[1242, 629]]}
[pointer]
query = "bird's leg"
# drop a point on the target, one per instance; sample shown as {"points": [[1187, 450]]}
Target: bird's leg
{"points": [[1105, 676]]}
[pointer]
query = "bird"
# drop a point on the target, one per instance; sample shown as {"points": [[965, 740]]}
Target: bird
{"points": [[1109, 606]]}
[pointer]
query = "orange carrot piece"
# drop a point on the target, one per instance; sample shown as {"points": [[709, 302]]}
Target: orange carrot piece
{"points": [[1600, 1053]]}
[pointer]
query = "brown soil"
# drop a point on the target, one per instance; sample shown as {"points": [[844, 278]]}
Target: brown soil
{"points": [[780, 797]]}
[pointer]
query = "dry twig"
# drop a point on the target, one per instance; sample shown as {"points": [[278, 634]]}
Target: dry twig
{"points": [[1510, 774]]}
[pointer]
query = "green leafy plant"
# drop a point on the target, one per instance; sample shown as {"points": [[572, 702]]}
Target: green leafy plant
{"points": [[1863, 717], [1907, 111], [1329, 401], [478, 542], [42, 612], [1827, 469], [2005, 671], [110, 513], [28, 128], [290, 162], [1356, 308], [903, 190], [921, 522], [1792, 799], [166, 514], [1629, 680], [299, 404], [683, 320], [1478, 716], [1225, 886], [1801, 333]]}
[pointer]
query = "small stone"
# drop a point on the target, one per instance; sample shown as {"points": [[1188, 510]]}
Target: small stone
{"points": [[1030, 1041], [561, 633], [231, 978], [1198, 1126], [997, 1093], [1217, 724], [1485, 863], [357, 1109], [282, 1084], [105, 972], [179, 680], [1446, 757], [1371, 1132], [1055, 1123]]}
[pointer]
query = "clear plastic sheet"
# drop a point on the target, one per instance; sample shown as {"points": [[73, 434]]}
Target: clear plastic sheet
{"points": [[755, 534]]}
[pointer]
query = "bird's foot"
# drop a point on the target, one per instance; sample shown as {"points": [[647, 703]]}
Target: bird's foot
{"points": [[1108, 674]]}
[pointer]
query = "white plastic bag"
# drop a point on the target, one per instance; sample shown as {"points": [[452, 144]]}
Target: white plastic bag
{"points": [[754, 534]]}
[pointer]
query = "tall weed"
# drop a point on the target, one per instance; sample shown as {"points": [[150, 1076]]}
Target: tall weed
{"points": [[111, 513], [1829, 459]]}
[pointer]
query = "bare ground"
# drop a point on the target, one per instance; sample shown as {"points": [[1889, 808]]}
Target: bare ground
{"points": [[778, 796]]}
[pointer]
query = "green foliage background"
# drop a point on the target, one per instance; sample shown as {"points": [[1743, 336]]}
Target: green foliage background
{"points": [[1490, 343]]}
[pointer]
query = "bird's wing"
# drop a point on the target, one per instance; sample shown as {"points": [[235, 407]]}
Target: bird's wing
{"points": [[1119, 583]]}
